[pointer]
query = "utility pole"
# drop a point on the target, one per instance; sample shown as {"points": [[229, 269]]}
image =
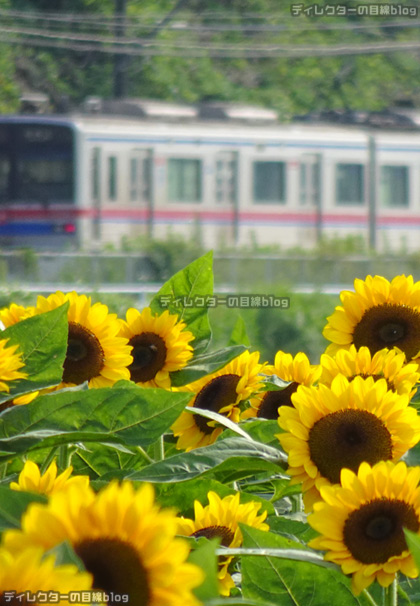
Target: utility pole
{"points": [[120, 60]]}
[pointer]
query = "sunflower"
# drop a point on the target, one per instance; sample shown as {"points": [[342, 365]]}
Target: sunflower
{"points": [[95, 352], [379, 314], [220, 518], [10, 362], [122, 538], [361, 522], [384, 364], [295, 370], [160, 345], [15, 313], [220, 392], [341, 426], [30, 572], [30, 479]]}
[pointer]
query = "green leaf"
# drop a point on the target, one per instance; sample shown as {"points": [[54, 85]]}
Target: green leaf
{"points": [[194, 280], [262, 430], [239, 335], [64, 554], [182, 495], [235, 456], [206, 364], [124, 414], [42, 341], [291, 582], [413, 542], [13, 504], [221, 420], [205, 557]]}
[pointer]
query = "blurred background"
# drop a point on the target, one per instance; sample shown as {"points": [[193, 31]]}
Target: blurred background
{"points": [[135, 135]]}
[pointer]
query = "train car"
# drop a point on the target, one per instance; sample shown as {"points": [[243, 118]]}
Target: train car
{"points": [[227, 174]]}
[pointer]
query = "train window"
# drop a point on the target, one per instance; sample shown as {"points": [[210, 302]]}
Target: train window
{"points": [[394, 183], [112, 178], [349, 179], [269, 182], [140, 176], [95, 173], [134, 179], [226, 177], [45, 178], [184, 180]]}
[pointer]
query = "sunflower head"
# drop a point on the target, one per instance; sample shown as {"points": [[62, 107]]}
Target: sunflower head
{"points": [[361, 522], [31, 480], [377, 315], [160, 345], [221, 519], [10, 363], [15, 313], [384, 364], [341, 426], [296, 371], [95, 352], [30, 571], [122, 537], [220, 392]]}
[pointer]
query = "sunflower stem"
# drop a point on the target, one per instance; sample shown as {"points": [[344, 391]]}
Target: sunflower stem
{"points": [[297, 503], [3, 470], [144, 454], [63, 456], [49, 459], [159, 450], [391, 594], [369, 598]]}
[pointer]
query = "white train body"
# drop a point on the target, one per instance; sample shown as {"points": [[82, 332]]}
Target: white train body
{"points": [[231, 182]]}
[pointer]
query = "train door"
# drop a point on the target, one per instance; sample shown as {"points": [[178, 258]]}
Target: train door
{"points": [[141, 183], [227, 186], [310, 195]]}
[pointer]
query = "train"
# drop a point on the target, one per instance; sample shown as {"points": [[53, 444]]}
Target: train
{"points": [[228, 174]]}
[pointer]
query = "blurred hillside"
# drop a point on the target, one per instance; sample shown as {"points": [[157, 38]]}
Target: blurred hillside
{"points": [[252, 51]]}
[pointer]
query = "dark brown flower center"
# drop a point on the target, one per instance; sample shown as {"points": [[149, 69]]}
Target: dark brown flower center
{"points": [[215, 395], [84, 358], [374, 533], [346, 438], [389, 325], [211, 532], [116, 567], [149, 356], [272, 400], [5, 406]]}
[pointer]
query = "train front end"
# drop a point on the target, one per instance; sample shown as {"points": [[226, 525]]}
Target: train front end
{"points": [[38, 206]]}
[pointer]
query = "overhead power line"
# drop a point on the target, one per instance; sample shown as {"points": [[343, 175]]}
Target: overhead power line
{"points": [[150, 48], [184, 22]]}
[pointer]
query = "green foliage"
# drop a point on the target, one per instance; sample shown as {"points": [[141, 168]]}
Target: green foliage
{"points": [[123, 432], [286, 582], [42, 341], [231, 459], [125, 415], [13, 504], [292, 85], [195, 280]]}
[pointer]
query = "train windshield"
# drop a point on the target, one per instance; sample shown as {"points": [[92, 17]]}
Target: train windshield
{"points": [[36, 163]]}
